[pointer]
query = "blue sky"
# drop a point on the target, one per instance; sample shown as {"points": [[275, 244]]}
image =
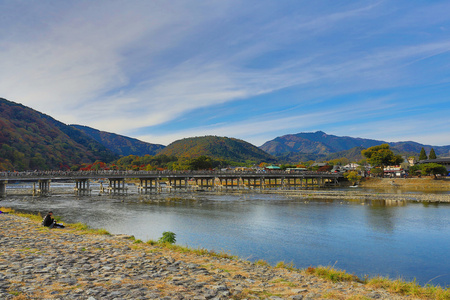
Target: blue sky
{"points": [[163, 70]]}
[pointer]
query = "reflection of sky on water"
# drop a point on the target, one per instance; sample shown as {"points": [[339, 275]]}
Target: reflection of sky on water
{"points": [[374, 237]]}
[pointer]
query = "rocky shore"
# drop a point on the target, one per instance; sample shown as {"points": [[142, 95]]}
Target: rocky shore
{"points": [[41, 263]]}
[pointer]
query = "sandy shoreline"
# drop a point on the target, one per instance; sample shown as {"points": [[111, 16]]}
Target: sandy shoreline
{"points": [[38, 263]]}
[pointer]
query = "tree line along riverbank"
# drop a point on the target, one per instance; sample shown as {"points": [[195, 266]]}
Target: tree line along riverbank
{"points": [[81, 263]]}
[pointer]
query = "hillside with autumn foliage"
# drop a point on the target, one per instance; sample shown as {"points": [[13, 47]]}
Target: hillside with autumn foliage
{"points": [[30, 140], [120, 144]]}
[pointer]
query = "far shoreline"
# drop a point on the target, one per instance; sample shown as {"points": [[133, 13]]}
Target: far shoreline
{"points": [[390, 189]]}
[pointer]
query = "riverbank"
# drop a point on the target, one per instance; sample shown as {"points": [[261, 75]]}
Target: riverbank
{"points": [[391, 191], [422, 184], [38, 263]]}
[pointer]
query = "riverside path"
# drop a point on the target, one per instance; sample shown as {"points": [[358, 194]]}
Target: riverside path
{"points": [[168, 181]]}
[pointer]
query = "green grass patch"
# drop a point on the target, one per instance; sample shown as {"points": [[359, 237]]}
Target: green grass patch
{"points": [[262, 263], [332, 274], [151, 242], [198, 251], [83, 228], [410, 288]]}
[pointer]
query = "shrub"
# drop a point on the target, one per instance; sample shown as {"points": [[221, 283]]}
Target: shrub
{"points": [[168, 237]]}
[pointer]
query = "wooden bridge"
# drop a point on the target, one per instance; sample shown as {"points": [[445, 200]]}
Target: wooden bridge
{"points": [[168, 181]]}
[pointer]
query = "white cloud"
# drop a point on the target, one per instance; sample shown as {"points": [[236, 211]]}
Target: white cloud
{"points": [[119, 67]]}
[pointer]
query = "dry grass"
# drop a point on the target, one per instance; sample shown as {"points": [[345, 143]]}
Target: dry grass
{"points": [[411, 184], [262, 262], [410, 288], [283, 265], [6, 209]]}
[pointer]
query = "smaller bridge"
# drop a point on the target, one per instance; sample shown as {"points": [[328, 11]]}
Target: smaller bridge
{"points": [[168, 181]]}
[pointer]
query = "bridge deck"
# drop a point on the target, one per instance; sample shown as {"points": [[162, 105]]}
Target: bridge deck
{"points": [[188, 180]]}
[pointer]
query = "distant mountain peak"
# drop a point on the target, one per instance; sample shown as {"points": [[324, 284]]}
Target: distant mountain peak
{"points": [[320, 144]]}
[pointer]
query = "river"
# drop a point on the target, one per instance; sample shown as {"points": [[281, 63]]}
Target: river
{"points": [[408, 239]]}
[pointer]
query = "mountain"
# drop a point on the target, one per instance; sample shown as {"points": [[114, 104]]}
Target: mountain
{"points": [[353, 154], [230, 149], [317, 145], [414, 148], [31, 140], [120, 144]]}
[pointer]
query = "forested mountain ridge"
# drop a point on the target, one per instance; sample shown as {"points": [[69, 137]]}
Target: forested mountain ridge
{"points": [[120, 144], [314, 142], [218, 148], [320, 145], [31, 140]]}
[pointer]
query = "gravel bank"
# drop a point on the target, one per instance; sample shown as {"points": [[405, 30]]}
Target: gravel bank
{"points": [[38, 263], [364, 195]]}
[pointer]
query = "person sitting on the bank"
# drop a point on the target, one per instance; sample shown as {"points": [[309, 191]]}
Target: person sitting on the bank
{"points": [[50, 222]]}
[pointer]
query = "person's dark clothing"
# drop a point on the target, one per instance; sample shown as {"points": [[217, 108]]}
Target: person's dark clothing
{"points": [[48, 221]]}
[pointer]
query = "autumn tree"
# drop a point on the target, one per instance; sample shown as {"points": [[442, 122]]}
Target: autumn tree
{"points": [[432, 154], [353, 177], [422, 155], [381, 156]]}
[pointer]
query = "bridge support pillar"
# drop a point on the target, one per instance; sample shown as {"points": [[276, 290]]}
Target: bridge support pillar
{"points": [[177, 183], [82, 187], [205, 183], [3, 188], [44, 187], [117, 186], [148, 185]]}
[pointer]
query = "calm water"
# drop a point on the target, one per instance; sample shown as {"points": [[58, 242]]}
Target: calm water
{"points": [[408, 240]]}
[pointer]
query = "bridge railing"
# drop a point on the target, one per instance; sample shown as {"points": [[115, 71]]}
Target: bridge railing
{"points": [[131, 174]]}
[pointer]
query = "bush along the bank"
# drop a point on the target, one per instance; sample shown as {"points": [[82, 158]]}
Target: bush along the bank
{"points": [[168, 237]]}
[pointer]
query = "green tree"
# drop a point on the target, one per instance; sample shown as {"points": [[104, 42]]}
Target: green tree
{"points": [[377, 172], [432, 154], [352, 176], [422, 155], [168, 237], [413, 170], [201, 163], [381, 156], [433, 169]]}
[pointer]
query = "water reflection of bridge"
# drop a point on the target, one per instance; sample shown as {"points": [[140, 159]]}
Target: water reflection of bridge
{"points": [[165, 181]]}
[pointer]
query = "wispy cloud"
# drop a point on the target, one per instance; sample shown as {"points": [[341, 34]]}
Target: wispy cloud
{"points": [[135, 67]]}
